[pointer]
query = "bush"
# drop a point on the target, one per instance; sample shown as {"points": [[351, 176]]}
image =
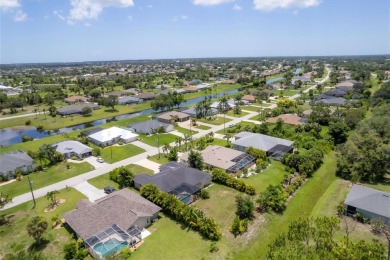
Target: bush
{"points": [[214, 247], [125, 253], [28, 122], [120, 143], [239, 226], [204, 194], [26, 138], [75, 158], [221, 177], [96, 151]]}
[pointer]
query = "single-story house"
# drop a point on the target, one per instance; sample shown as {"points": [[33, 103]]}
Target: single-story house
{"points": [[72, 148], [176, 178], [150, 127], [301, 78], [269, 144], [75, 109], [249, 98], [91, 131], [191, 89], [163, 86], [132, 91], [116, 219], [335, 93], [128, 100], [372, 204], [224, 158], [289, 119], [112, 136], [337, 101], [192, 112], [172, 116], [203, 86], [118, 93], [76, 99], [195, 82], [146, 96], [15, 160]]}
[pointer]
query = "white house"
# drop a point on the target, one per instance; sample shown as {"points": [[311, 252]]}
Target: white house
{"points": [[112, 136]]}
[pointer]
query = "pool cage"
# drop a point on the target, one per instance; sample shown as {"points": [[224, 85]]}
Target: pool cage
{"points": [[184, 192], [111, 240], [241, 161]]}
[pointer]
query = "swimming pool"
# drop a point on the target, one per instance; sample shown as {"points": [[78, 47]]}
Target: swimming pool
{"points": [[109, 247], [186, 198]]}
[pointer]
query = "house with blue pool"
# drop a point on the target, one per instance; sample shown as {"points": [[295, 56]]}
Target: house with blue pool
{"points": [[113, 222]]}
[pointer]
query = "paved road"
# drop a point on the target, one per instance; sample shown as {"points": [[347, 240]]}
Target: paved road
{"points": [[109, 167], [24, 115]]}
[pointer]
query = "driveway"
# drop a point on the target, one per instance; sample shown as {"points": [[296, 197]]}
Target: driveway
{"points": [[92, 160], [149, 164], [90, 191], [142, 145]]}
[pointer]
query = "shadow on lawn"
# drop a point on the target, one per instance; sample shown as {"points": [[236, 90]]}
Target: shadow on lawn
{"points": [[39, 247]]}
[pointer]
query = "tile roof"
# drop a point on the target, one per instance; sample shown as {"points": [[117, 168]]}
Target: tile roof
{"points": [[122, 208]]}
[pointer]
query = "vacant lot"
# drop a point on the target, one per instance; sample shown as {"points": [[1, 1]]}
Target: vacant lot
{"points": [[153, 140], [116, 153], [218, 120]]}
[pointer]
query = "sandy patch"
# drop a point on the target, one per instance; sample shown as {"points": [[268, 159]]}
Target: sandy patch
{"points": [[50, 209]]}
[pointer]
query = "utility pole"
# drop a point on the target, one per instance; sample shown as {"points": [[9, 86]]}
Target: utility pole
{"points": [[32, 193]]}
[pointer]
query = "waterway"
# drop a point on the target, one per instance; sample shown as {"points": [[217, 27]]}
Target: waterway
{"points": [[13, 135]]}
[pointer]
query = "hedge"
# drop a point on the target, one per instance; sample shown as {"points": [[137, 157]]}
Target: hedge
{"points": [[221, 177]]}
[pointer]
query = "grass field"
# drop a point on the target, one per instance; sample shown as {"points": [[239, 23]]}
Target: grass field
{"points": [[252, 108], [163, 139], [14, 237], [104, 180], [115, 153], [231, 113], [52, 175], [185, 130], [243, 124], [218, 120], [162, 159], [203, 127]]}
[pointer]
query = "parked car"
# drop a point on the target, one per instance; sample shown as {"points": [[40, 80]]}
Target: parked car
{"points": [[109, 190], [100, 159]]}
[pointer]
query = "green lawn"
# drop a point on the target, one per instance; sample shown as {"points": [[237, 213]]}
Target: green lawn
{"points": [[14, 237], [163, 138], [274, 175], [203, 127], [162, 160], [52, 175], [220, 142], [115, 153], [237, 128], [383, 186], [218, 120], [104, 180], [231, 113], [185, 130], [286, 93], [251, 108]]}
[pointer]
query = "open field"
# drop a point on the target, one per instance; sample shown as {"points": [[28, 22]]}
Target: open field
{"points": [[14, 236], [231, 113], [218, 120], [163, 139], [185, 130], [117, 153], [51, 175], [203, 127]]}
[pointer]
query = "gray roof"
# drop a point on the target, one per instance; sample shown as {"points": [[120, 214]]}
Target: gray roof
{"points": [[12, 160], [122, 208], [370, 200], [72, 146], [191, 111], [128, 99], [148, 126], [335, 92], [334, 101], [74, 109], [173, 175], [259, 141]]}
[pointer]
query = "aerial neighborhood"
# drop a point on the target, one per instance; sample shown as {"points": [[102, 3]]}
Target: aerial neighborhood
{"points": [[212, 157]]}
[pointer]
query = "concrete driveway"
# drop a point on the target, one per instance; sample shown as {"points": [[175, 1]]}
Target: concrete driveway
{"points": [[92, 160], [90, 191]]}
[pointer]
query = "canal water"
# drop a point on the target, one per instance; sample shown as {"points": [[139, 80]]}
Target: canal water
{"points": [[13, 135]]}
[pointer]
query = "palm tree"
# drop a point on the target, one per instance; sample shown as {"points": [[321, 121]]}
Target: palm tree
{"points": [[186, 139], [166, 148], [44, 112], [52, 196], [178, 141], [199, 110], [207, 109], [227, 137], [36, 227], [40, 155], [223, 106], [49, 152]]}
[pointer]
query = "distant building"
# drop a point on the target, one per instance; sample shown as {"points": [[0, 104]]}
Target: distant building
{"points": [[13, 161], [146, 96], [76, 99], [289, 119], [172, 116], [150, 127], [75, 109], [249, 98], [128, 100]]}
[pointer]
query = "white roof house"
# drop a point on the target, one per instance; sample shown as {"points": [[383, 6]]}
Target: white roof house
{"points": [[113, 135]]}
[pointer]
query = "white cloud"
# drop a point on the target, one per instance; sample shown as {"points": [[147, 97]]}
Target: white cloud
{"points": [[149, 6], [211, 2], [20, 16], [184, 17], [181, 17], [236, 7], [9, 4], [59, 15], [295, 12], [91, 9], [130, 17], [269, 5]]}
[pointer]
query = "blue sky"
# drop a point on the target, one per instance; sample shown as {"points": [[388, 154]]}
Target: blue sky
{"points": [[85, 30]]}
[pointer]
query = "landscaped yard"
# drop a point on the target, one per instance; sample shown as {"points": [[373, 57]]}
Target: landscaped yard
{"points": [[117, 153], [185, 130], [218, 120], [104, 180], [52, 175], [237, 128], [231, 113], [163, 139], [251, 108], [14, 237], [203, 127]]}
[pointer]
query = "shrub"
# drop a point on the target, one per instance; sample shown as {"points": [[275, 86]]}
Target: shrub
{"points": [[239, 226], [26, 138], [204, 194], [221, 177], [28, 122], [273, 198], [75, 158], [96, 151], [120, 143], [214, 247], [125, 253]]}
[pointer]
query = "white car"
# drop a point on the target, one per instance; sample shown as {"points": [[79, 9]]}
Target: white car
{"points": [[100, 159]]}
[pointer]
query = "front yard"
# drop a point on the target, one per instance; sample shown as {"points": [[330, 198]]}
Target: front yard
{"points": [[216, 120], [163, 139], [117, 153]]}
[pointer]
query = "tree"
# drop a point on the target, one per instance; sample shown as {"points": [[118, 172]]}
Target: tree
{"points": [[244, 207], [223, 106], [49, 99], [239, 226], [52, 197], [339, 131], [110, 101], [49, 151], [195, 160], [173, 155], [381, 228], [86, 111], [36, 227], [74, 251], [273, 198], [53, 112], [122, 176]]}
